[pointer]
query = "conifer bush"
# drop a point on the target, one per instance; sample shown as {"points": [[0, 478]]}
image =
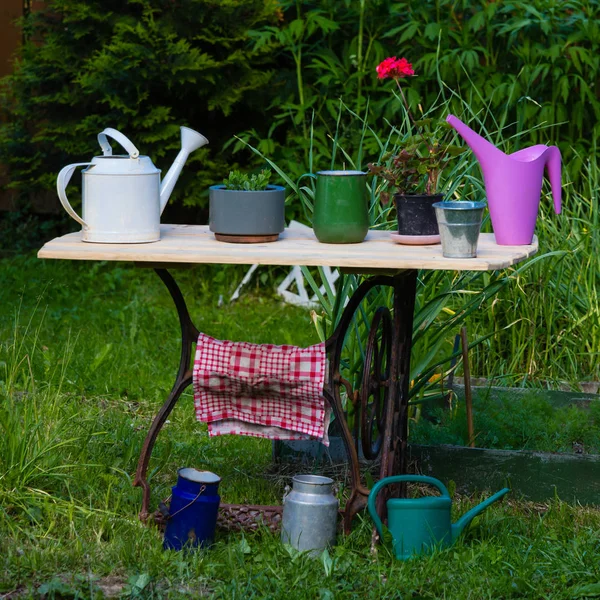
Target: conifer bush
{"points": [[143, 67]]}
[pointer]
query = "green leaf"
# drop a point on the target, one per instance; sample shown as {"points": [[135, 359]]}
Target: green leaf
{"points": [[244, 546], [296, 28], [591, 590], [325, 25], [432, 30], [327, 307], [277, 169], [139, 582], [411, 30], [100, 357], [477, 21], [327, 562]]}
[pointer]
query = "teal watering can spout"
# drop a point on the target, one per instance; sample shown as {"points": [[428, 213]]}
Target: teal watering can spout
{"points": [[465, 520], [418, 525]]}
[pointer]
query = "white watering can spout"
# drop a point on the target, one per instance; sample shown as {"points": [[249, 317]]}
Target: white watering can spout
{"points": [[190, 140]]}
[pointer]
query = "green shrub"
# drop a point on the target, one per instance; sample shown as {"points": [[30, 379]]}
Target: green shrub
{"points": [[143, 67], [537, 57], [276, 71]]}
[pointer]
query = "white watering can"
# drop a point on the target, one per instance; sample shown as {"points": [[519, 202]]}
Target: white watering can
{"points": [[122, 195]]}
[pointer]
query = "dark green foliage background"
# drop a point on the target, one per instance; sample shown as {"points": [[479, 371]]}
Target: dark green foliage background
{"points": [[266, 70], [141, 66]]}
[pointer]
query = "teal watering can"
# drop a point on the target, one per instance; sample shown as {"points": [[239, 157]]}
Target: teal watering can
{"points": [[418, 524]]}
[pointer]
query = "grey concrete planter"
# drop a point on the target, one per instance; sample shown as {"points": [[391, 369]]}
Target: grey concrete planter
{"points": [[247, 217]]}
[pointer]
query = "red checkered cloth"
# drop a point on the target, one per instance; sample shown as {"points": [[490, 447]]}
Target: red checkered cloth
{"points": [[261, 390]]}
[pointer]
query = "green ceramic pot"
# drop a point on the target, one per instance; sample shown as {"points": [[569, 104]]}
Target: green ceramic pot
{"points": [[341, 213]]}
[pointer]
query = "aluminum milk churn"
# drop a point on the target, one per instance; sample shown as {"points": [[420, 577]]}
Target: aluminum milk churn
{"points": [[310, 514]]}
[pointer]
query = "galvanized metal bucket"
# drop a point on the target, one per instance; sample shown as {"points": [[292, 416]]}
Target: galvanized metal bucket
{"points": [[459, 224], [310, 514]]}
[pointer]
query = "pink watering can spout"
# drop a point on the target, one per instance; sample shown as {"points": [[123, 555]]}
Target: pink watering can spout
{"points": [[513, 184], [485, 152]]}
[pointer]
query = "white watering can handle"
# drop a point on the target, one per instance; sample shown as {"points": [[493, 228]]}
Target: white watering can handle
{"points": [[118, 137], [61, 187]]}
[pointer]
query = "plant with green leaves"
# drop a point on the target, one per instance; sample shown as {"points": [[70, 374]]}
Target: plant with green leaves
{"points": [[418, 165], [531, 61], [430, 345], [523, 320], [249, 183], [422, 156]]}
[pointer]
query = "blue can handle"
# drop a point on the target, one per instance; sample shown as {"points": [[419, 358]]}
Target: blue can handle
{"points": [[397, 479]]}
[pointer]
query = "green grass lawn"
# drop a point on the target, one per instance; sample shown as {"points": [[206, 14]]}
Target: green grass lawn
{"points": [[88, 355]]}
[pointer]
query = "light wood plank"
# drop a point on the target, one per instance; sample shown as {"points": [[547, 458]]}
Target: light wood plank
{"points": [[195, 244]]}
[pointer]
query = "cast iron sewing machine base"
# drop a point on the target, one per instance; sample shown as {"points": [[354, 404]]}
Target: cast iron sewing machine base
{"points": [[379, 406]]}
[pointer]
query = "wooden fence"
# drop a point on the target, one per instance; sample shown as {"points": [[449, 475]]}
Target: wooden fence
{"points": [[10, 34], [10, 41]]}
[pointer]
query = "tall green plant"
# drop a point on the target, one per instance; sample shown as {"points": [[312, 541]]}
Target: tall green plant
{"points": [[43, 438], [445, 301], [554, 308], [530, 62]]}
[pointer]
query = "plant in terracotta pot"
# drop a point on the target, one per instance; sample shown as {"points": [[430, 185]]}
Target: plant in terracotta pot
{"points": [[413, 172], [247, 209]]}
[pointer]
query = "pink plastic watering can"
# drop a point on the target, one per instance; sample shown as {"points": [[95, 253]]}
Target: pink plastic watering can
{"points": [[513, 183]]}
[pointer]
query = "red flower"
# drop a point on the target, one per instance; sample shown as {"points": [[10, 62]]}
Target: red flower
{"points": [[384, 68], [394, 68]]}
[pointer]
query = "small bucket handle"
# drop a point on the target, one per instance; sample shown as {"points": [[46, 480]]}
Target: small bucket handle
{"points": [[163, 505]]}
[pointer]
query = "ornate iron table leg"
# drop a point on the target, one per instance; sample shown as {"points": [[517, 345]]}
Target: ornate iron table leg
{"points": [[189, 336], [394, 458], [390, 348], [387, 385], [231, 516]]}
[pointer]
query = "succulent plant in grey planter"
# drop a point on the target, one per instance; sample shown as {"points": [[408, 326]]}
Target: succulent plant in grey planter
{"points": [[247, 209]]}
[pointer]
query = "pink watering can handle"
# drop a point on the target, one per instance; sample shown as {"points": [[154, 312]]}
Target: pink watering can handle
{"points": [[553, 168]]}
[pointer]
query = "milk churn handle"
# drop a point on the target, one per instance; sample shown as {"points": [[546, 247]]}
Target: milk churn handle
{"points": [[202, 488], [286, 492], [118, 137]]}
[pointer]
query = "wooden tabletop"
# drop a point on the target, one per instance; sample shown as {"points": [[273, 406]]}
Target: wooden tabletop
{"points": [[194, 244]]}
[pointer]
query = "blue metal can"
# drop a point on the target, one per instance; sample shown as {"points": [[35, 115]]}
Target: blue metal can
{"points": [[193, 511]]}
